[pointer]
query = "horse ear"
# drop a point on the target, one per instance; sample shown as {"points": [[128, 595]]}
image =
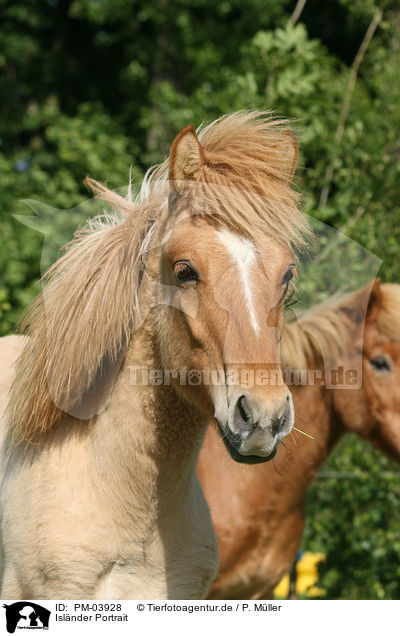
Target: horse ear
{"points": [[186, 157], [360, 304], [374, 299], [290, 153]]}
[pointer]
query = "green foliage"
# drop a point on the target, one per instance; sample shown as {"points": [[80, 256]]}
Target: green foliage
{"points": [[93, 87], [51, 169], [353, 517]]}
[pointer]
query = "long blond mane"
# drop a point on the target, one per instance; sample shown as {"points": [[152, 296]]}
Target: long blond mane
{"points": [[89, 300], [326, 330]]}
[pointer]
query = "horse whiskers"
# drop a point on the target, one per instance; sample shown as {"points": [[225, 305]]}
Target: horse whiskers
{"points": [[302, 420], [301, 459], [283, 475], [293, 437], [290, 452], [279, 473], [286, 462], [303, 433]]}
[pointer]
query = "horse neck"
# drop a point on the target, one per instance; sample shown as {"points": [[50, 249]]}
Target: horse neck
{"points": [[148, 439]]}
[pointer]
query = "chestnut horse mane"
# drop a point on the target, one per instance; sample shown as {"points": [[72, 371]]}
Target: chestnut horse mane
{"points": [[326, 330], [388, 316], [89, 299]]}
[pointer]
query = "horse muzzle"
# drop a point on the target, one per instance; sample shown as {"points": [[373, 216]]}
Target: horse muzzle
{"points": [[253, 432]]}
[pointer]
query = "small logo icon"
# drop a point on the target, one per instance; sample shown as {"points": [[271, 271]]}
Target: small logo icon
{"points": [[26, 615]]}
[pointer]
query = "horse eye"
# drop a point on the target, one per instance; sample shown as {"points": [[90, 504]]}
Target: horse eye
{"points": [[288, 276], [380, 363], [185, 273]]}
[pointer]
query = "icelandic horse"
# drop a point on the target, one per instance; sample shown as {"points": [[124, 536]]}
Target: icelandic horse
{"points": [[103, 424]]}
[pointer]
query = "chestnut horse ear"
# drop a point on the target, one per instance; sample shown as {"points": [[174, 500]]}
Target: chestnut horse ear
{"points": [[186, 157], [363, 304], [374, 300]]}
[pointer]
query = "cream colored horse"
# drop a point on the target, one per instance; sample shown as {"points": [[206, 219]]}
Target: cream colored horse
{"points": [[99, 494]]}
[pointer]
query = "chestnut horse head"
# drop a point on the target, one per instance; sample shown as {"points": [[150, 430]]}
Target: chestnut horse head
{"points": [[361, 332], [380, 420], [203, 259]]}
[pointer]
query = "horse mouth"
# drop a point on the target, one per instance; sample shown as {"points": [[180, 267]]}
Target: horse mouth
{"points": [[229, 440]]}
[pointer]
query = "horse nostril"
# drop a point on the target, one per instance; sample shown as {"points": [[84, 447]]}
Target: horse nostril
{"points": [[243, 416], [244, 409], [278, 423]]}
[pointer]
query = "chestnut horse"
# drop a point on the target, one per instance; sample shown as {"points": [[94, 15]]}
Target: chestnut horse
{"points": [[192, 275], [258, 513]]}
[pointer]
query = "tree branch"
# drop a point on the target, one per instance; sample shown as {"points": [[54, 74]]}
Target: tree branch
{"points": [[344, 112], [297, 12]]}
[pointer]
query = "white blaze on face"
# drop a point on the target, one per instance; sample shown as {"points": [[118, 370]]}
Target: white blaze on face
{"points": [[242, 252]]}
